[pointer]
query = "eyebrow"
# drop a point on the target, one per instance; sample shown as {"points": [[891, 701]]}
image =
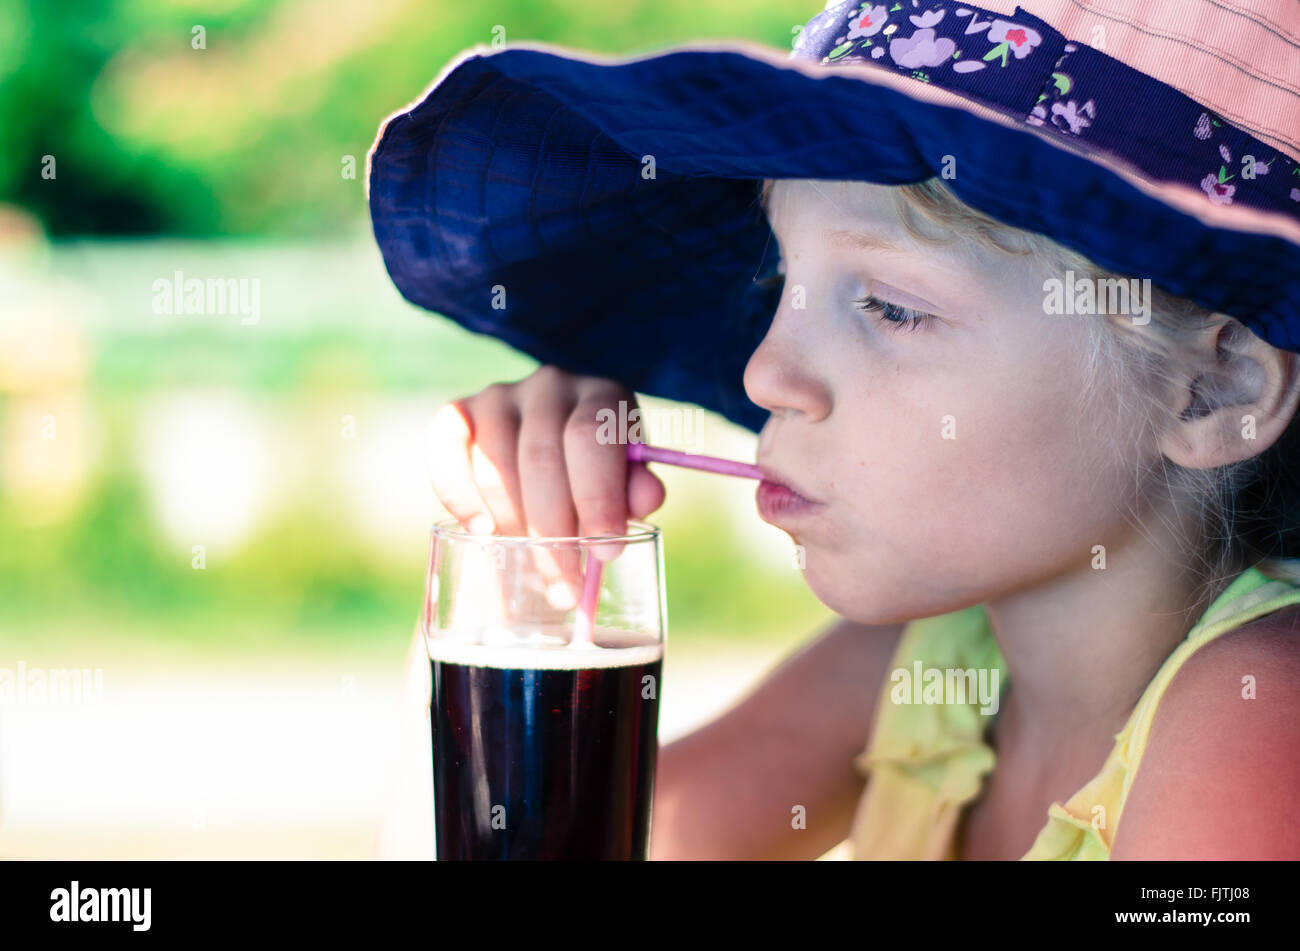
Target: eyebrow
{"points": [[859, 241], [853, 240]]}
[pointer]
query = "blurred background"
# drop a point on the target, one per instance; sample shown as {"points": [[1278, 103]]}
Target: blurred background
{"points": [[213, 527]]}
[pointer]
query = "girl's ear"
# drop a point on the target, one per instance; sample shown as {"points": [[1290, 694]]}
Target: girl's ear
{"points": [[1237, 403]]}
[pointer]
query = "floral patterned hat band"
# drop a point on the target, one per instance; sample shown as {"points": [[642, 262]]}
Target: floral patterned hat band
{"points": [[1024, 68]]}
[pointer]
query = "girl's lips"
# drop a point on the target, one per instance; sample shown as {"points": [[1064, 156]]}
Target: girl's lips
{"points": [[776, 501], [774, 477]]}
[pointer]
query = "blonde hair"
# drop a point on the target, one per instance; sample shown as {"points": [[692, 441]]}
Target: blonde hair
{"points": [[1246, 511]]}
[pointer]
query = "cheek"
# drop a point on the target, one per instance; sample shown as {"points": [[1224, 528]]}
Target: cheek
{"points": [[1059, 468], [965, 470], [1038, 481]]}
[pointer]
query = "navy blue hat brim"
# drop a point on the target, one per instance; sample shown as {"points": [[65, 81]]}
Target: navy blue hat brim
{"points": [[515, 199]]}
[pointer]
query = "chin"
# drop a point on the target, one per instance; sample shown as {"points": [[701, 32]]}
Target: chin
{"points": [[879, 606], [848, 602]]}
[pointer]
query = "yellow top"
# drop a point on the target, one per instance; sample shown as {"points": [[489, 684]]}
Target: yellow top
{"points": [[926, 761]]}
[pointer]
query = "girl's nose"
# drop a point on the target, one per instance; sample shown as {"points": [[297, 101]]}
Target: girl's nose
{"points": [[782, 376]]}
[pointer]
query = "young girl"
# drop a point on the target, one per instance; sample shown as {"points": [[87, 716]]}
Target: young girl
{"points": [[999, 467]]}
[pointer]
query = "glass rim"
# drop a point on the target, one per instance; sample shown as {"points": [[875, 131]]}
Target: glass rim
{"points": [[446, 528]]}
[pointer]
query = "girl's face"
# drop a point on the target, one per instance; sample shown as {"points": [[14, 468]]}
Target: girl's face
{"points": [[950, 453]]}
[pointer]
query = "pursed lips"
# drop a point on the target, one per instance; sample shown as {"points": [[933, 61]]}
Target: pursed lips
{"points": [[776, 478]]}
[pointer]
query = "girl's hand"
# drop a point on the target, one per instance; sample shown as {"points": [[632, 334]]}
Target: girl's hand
{"points": [[523, 458]]}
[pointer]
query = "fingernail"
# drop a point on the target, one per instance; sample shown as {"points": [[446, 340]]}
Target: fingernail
{"points": [[562, 595], [481, 525]]}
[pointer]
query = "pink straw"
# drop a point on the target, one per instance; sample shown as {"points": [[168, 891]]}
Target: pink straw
{"points": [[585, 623], [640, 452]]}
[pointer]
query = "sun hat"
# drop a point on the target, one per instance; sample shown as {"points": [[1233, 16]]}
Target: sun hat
{"points": [[601, 214]]}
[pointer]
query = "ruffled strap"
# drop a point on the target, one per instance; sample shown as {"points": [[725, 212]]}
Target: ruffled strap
{"points": [[926, 760]]}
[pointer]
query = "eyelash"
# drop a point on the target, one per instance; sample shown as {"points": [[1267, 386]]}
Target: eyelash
{"points": [[903, 317]]}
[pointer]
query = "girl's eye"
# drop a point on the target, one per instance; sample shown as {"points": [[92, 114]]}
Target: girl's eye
{"points": [[892, 313]]}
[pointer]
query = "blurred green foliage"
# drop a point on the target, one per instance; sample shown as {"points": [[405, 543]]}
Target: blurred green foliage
{"points": [[249, 136], [249, 133]]}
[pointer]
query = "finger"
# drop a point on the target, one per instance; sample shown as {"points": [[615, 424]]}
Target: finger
{"points": [[597, 470], [494, 457], [645, 493], [450, 471], [544, 485]]}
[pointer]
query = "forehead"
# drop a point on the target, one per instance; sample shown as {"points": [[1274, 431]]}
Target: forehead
{"points": [[864, 216], [863, 201]]}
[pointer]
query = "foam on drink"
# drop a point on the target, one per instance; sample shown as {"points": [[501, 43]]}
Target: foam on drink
{"points": [[544, 649]]}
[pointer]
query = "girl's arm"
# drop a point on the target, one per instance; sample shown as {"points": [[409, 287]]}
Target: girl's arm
{"points": [[729, 789]]}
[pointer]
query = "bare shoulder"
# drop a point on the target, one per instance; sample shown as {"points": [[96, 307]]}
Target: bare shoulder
{"points": [[1220, 778]]}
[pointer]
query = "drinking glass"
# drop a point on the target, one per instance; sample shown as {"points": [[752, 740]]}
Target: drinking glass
{"points": [[544, 730]]}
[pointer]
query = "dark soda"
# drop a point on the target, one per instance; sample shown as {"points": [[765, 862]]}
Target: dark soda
{"points": [[542, 750]]}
